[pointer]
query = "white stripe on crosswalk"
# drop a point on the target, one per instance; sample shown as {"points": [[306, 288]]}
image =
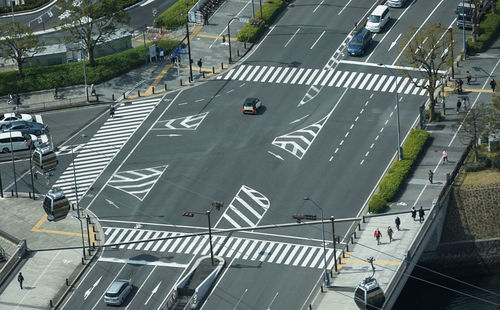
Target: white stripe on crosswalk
{"points": [[163, 235], [257, 77], [320, 76], [301, 254], [237, 73], [304, 77], [267, 251], [334, 78], [242, 77], [275, 74], [193, 243], [259, 250], [346, 84], [396, 83], [387, 84], [372, 81], [380, 82], [200, 245], [226, 246], [311, 77], [365, 80], [185, 242], [296, 77], [283, 254], [275, 252], [250, 250], [250, 76], [342, 79], [282, 75], [316, 259], [403, 84], [268, 73], [355, 83], [290, 74], [242, 249], [292, 255], [228, 75], [234, 247], [308, 257]]}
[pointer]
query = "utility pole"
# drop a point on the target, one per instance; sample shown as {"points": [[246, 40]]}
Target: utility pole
{"points": [[189, 50], [12, 6], [85, 75], [450, 30], [145, 49]]}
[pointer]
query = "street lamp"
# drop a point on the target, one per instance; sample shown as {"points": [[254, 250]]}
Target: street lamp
{"points": [[85, 74], [216, 204], [326, 276], [12, 157], [189, 51], [77, 203], [400, 149]]}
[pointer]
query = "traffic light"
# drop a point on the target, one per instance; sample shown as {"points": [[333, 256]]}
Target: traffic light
{"points": [[190, 214]]}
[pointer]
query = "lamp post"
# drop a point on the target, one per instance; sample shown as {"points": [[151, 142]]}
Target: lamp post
{"points": [[463, 27], [189, 50], [326, 276], [216, 204], [229, 37], [12, 157], [400, 149], [12, 7], [334, 242], [450, 31], [77, 204]]}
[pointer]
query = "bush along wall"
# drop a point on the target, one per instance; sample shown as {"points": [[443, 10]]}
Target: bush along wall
{"points": [[489, 28], [252, 31], [399, 171], [108, 67], [175, 16]]}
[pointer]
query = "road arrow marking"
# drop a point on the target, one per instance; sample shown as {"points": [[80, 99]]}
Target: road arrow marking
{"points": [[394, 42], [153, 292], [87, 293], [112, 203], [275, 155], [170, 135]]}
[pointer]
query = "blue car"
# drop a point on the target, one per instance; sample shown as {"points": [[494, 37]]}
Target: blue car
{"points": [[360, 42], [25, 127]]}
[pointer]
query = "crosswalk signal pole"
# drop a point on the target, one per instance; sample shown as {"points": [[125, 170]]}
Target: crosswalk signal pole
{"points": [[210, 237]]}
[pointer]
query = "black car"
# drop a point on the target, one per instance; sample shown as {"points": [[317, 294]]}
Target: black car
{"points": [[25, 127], [251, 105], [360, 42]]}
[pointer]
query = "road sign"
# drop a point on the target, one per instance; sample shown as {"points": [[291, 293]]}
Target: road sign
{"points": [[244, 20]]}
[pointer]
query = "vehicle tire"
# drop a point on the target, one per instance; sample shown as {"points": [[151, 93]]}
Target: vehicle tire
{"points": [[38, 132], [5, 150]]}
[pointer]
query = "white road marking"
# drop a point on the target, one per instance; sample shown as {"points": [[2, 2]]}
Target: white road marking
{"points": [[317, 7], [153, 292], [292, 37], [314, 44], [89, 291], [394, 42], [275, 155], [140, 262]]}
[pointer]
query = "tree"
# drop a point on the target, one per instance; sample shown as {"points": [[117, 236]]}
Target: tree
{"points": [[90, 22], [493, 115], [19, 43], [472, 124], [426, 51]]}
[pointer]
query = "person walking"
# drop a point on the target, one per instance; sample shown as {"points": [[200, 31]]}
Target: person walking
{"points": [[459, 104], [413, 213], [389, 233], [431, 176], [469, 77], [397, 221], [10, 101], [112, 111], [460, 83], [421, 214], [92, 90], [377, 234], [493, 85], [445, 157], [199, 64], [20, 279]]}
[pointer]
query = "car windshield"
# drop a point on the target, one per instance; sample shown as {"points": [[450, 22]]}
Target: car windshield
{"points": [[374, 19], [356, 42], [464, 10]]}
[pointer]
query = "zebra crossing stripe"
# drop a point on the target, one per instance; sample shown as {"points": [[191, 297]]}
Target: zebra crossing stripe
{"points": [[242, 77], [410, 86], [370, 85], [167, 243], [308, 257], [234, 247], [299, 257], [259, 250], [387, 84], [333, 79], [237, 73], [296, 77], [193, 243], [380, 82], [267, 251], [184, 244], [290, 74], [320, 76], [174, 245], [268, 73], [402, 86], [304, 77], [342, 79], [275, 253], [353, 74], [145, 237], [312, 76], [356, 81], [127, 239], [229, 219], [198, 248], [283, 254], [242, 249], [292, 254], [278, 69], [365, 80], [150, 244], [228, 75], [257, 77], [393, 87], [316, 259], [250, 76], [283, 74], [250, 249], [112, 237], [226, 246]]}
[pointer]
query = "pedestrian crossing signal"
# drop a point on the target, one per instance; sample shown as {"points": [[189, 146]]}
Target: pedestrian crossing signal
{"points": [[190, 214]]}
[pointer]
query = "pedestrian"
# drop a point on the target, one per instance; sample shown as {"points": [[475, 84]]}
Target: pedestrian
{"points": [[20, 279], [398, 222], [421, 214], [377, 234], [493, 85], [431, 176], [459, 104], [112, 111], [199, 64], [460, 83], [389, 233], [223, 39], [18, 99], [55, 92], [445, 157], [92, 89], [10, 98], [469, 77], [162, 54], [413, 213]]}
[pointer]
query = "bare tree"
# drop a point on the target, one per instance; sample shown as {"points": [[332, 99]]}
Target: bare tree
{"points": [[426, 51], [493, 115], [91, 22], [472, 124], [19, 43]]}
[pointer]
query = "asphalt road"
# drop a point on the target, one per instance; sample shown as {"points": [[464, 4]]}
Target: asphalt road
{"points": [[139, 171]]}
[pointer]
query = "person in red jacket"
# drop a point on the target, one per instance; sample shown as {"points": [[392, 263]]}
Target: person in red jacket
{"points": [[377, 234]]}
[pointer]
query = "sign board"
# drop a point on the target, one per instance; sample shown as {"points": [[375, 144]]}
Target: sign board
{"points": [[244, 20], [152, 52]]}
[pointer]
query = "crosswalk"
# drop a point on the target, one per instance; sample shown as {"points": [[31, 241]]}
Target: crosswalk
{"points": [[230, 247], [96, 154], [137, 183], [325, 77]]}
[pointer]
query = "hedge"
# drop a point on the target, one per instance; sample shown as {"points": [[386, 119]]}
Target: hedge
{"points": [[399, 171], [489, 29], [39, 78], [270, 9], [175, 16]]}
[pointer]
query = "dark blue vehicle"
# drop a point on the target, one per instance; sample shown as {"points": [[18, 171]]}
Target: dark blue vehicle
{"points": [[360, 42]]}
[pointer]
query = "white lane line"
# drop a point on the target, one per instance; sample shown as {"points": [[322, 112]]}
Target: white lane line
{"points": [[394, 42], [298, 120], [317, 7], [344, 7], [312, 46], [292, 37]]}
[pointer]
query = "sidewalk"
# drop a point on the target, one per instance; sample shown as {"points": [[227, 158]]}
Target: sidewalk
{"points": [[417, 192]]}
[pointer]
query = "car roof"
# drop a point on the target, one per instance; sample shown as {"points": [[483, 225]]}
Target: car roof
{"points": [[115, 286], [250, 101], [11, 133], [361, 33], [379, 9]]}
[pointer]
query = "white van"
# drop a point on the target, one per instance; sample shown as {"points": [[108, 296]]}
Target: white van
{"points": [[20, 141], [379, 17]]}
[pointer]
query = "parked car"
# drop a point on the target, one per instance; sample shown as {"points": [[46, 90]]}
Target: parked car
{"points": [[117, 292], [12, 117], [25, 127], [360, 42], [17, 141], [251, 105]]}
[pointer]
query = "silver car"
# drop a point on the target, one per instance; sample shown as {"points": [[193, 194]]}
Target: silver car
{"points": [[117, 292]]}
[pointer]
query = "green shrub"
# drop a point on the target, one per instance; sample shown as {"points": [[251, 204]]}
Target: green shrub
{"points": [[437, 115], [489, 28], [250, 33], [270, 9], [414, 144], [377, 204], [495, 162], [175, 16], [38, 78]]}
